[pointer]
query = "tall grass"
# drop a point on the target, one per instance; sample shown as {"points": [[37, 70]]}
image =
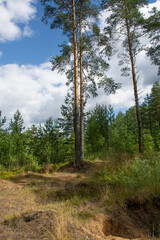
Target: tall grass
{"points": [[137, 177], [108, 156]]}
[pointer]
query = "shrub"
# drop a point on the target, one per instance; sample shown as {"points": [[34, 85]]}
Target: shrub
{"points": [[135, 178]]}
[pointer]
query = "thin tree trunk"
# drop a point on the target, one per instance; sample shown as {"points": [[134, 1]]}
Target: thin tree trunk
{"points": [[76, 97], [81, 90], [135, 89]]}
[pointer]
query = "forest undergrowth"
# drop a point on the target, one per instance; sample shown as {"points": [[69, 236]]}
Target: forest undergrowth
{"points": [[118, 197]]}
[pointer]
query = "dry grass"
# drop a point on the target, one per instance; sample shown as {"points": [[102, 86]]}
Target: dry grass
{"points": [[79, 201], [16, 200], [63, 223]]}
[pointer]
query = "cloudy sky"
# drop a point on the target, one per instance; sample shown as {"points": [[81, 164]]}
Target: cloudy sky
{"points": [[26, 80]]}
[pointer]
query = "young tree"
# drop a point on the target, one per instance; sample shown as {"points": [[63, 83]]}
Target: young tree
{"points": [[124, 19], [16, 127], [2, 121], [155, 101], [98, 127], [52, 137], [4, 144]]}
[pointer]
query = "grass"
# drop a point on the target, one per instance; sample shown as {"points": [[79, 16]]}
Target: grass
{"points": [[121, 178], [10, 174], [133, 178], [109, 156], [85, 215], [63, 223], [85, 190]]}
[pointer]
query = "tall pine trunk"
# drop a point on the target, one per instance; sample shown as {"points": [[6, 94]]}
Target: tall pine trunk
{"points": [[76, 94], [135, 88], [81, 89]]}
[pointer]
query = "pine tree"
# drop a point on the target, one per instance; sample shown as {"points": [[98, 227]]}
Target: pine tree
{"points": [[63, 16], [123, 21], [152, 29], [150, 110], [16, 127]]}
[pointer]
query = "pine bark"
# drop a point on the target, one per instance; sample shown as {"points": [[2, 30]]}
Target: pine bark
{"points": [[135, 89], [76, 93], [81, 90]]}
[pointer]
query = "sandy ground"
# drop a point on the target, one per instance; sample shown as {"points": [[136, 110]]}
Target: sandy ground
{"points": [[29, 210]]}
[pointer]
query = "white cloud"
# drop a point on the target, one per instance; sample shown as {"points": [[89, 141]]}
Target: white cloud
{"points": [[39, 93], [35, 90], [27, 31], [146, 71], [146, 10], [13, 13]]}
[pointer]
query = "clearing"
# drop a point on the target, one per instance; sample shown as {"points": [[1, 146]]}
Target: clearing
{"points": [[65, 206]]}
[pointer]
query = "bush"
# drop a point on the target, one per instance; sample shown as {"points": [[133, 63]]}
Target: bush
{"points": [[31, 163]]}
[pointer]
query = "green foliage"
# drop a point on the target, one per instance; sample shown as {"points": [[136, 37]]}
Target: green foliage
{"points": [[106, 136], [124, 134], [140, 176], [85, 216], [31, 163], [151, 114], [152, 26], [17, 141], [100, 155], [124, 14], [66, 149], [148, 141], [99, 123], [94, 138], [2, 168], [10, 174]]}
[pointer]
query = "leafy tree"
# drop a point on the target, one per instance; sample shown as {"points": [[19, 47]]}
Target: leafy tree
{"points": [[124, 19]]}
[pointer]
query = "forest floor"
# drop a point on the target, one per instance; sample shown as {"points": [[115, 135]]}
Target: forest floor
{"points": [[60, 206]]}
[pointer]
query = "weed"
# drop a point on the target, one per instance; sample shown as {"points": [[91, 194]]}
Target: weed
{"points": [[63, 223], [11, 220], [10, 174], [155, 230], [79, 176], [137, 177], [85, 215], [41, 192]]}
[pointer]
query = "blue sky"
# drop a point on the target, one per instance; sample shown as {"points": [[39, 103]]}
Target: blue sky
{"points": [[26, 80], [36, 49]]}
